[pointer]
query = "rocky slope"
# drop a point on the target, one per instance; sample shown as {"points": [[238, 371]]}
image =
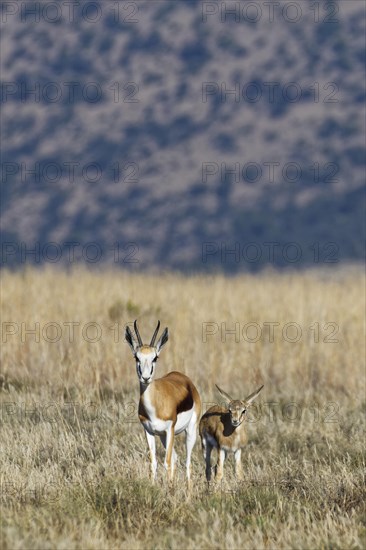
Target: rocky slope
{"points": [[173, 124]]}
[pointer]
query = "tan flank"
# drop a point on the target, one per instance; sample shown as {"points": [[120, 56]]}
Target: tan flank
{"points": [[167, 406], [224, 429]]}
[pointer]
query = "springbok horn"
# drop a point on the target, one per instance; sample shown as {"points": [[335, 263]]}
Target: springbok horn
{"points": [[152, 343], [137, 333]]}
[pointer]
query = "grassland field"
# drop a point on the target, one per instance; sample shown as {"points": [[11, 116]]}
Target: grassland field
{"points": [[74, 460]]}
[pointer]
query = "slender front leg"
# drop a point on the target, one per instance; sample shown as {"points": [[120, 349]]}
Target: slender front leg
{"points": [[174, 454], [169, 452], [190, 441], [151, 442], [220, 465], [238, 466]]}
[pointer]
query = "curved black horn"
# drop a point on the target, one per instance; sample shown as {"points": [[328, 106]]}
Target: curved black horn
{"points": [[137, 333], [155, 334]]}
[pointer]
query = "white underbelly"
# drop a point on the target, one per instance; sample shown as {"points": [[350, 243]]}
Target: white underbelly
{"points": [[183, 419], [155, 426]]}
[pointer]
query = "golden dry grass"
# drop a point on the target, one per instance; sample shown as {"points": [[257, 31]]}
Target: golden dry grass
{"points": [[74, 463]]}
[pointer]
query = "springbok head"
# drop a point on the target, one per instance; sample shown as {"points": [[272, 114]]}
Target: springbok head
{"points": [[146, 355], [237, 409]]}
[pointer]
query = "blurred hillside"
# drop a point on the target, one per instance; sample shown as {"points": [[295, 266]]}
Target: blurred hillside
{"points": [[120, 111]]}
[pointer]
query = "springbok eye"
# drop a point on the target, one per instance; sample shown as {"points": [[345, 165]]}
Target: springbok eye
{"points": [[244, 411], [139, 368]]}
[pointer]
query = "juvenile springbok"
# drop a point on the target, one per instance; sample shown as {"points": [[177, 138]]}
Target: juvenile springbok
{"points": [[224, 429], [168, 405]]}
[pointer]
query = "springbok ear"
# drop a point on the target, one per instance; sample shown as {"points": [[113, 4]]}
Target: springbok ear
{"points": [[130, 340], [225, 395], [248, 400], [162, 341]]}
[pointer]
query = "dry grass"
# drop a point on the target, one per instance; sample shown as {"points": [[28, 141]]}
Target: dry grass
{"points": [[74, 462]]}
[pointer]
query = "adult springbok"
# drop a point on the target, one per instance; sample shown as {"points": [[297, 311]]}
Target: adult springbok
{"points": [[168, 405], [224, 429]]}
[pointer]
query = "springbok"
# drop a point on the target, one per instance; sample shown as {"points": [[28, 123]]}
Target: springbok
{"points": [[168, 405], [224, 429]]}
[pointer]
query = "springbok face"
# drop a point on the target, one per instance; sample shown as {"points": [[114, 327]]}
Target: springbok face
{"points": [[237, 409], [146, 355]]}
